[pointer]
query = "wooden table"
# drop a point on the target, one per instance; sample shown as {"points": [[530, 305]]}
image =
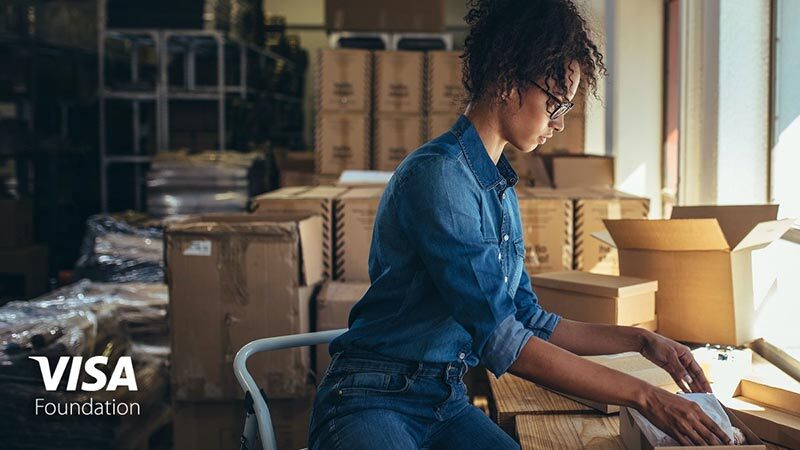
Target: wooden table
{"points": [[546, 432], [512, 396]]}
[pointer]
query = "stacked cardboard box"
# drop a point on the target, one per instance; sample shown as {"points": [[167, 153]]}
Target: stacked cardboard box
{"points": [[334, 303], [702, 259], [23, 265], [546, 231], [322, 200], [355, 217], [398, 124], [771, 408], [573, 138], [227, 288], [344, 102], [445, 92]]}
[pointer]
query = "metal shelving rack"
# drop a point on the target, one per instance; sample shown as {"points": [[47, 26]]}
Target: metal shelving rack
{"points": [[166, 41]]}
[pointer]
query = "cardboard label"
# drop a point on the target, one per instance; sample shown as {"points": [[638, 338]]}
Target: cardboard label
{"points": [[198, 248], [344, 80]]}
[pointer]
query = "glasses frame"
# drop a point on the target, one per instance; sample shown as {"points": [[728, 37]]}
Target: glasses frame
{"points": [[562, 107]]}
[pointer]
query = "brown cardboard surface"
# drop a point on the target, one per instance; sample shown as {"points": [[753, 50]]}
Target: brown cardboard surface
{"points": [[16, 222], [344, 80], [595, 309], [342, 142], [365, 15], [398, 82], [438, 124], [234, 279], [219, 425], [583, 171], [396, 135], [706, 291], [334, 303], [23, 272], [735, 221], [651, 325], [446, 93], [784, 396], [313, 200], [547, 232], [295, 168], [596, 284], [570, 141], [357, 209], [769, 423], [633, 437], [531, 169]]}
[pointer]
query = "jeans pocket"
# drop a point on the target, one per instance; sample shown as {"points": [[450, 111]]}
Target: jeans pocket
{"points": [[374, 383]]}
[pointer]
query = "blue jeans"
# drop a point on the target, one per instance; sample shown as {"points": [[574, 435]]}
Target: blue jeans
{"points": [[366, 401]]}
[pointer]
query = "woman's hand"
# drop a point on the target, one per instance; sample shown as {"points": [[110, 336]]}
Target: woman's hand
{"points": [[682, 419], [677, 360]]}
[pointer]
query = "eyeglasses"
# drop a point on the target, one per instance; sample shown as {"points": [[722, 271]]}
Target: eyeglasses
{"points": [[561, 107]]}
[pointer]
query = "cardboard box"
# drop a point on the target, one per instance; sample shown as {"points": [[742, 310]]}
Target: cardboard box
{"points": [[592, 207], [334, 303], [219, 425], [398, 81], [342, 142], [529, 166], [312, 200], [396, 135], [703, 266], [295, 168], [595, 298], [344, 80], [547, 232], [356, 216], [23, 272], [651, 325], [633, 438], [635, 365], [770, 409], [16, 223], [437, 124], [445, 91], [233, 279], [365, 15], [580, 171]]}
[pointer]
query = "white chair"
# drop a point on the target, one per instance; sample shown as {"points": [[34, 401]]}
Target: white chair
{"points": [[258, 413]]}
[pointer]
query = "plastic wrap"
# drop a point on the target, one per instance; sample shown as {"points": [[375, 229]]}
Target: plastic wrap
{"points": [[122, 248], [709, 404]]}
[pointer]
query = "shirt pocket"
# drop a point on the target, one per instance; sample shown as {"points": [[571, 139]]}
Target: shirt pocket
{"points": [[515, 265], [374, 383]]}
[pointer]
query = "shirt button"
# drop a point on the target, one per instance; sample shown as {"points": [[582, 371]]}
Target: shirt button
{"points": [[506, 280], [503, 196], [505, 237], [461, 355], [500, 256]]}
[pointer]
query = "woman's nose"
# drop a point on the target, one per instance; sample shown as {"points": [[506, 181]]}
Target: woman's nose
{"points": [[557, 124]]}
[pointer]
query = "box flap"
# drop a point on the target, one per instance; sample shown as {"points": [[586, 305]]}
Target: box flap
{"points": [[311, 249], [605, 237], [764, 233], [595, 284], [735, 220], [667, 235]]}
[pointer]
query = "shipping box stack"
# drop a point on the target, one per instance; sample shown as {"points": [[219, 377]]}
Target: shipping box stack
{"points": [[355, 218], [322, 200], [702, 259], [23, 264], [445, 93], [546, 231], [334, 303], [398, 125], [226, 289], [344, 102]]}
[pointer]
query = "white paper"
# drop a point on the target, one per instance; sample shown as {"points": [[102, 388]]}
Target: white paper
{"points": [[711, 407]]}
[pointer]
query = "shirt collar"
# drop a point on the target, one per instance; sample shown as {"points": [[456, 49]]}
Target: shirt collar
{"points": [[489, 176]]}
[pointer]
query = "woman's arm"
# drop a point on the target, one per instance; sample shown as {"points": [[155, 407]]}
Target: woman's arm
{"points": [[558, 369], [585, 339]]}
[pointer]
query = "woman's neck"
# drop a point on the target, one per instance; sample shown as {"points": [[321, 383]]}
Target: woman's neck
{"points": [[484, 118]]}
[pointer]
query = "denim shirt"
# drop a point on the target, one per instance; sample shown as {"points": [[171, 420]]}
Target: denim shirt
{"points": [[446, 263]]}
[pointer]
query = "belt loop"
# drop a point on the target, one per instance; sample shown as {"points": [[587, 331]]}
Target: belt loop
{"points": [[417, 372]]}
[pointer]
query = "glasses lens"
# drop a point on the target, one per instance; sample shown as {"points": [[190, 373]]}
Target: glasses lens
{"points": [[561, 110]]}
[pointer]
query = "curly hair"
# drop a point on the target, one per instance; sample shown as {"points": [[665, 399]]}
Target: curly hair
{"points": [[513, 43]]}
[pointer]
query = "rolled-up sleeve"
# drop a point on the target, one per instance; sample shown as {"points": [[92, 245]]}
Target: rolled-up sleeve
{"points": [[442, 219], [530, 313]]}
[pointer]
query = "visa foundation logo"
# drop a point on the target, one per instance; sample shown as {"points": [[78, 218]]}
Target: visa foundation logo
{"points": [[94, 380]]}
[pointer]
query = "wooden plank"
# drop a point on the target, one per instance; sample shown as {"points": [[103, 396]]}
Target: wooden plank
{"points": [[512, 396], [548, 432]]}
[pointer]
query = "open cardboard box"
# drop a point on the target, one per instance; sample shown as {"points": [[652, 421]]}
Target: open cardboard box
{"points": [[702, 259], [634, 439], [771, 410]]}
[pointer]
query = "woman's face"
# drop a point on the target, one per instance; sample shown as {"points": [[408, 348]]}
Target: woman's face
{"points": [[529, 125]]}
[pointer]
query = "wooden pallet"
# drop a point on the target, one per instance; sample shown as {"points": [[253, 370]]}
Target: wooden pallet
{"points": [[549, 432], [512, 396]]}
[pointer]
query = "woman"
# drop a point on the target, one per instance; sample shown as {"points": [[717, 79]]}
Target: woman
{"points": [[449, 288]]}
